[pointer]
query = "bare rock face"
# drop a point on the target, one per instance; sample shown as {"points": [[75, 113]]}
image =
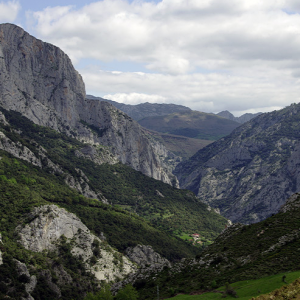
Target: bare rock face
{"points": [[145, 256], [47, 224], [291, 203], [32, 281], [38, 80], [249, 174]]}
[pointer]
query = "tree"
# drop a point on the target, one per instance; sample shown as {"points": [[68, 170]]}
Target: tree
{"points": [[103, 294], [127, 293]]}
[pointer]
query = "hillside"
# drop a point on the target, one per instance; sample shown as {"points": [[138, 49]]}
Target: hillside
{"points": [[250, 173], [181, 146], [115, 184], [241, 252], [117, 206], [192, 124]]}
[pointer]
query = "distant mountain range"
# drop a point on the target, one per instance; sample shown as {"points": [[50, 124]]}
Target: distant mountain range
{"points": [[242, 119], [192, 124], [144, 110]]}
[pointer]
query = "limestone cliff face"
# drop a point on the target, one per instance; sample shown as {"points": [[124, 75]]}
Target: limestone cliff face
{"points": [[145, 256], [249, 174], [38, 80], [45, 227]]}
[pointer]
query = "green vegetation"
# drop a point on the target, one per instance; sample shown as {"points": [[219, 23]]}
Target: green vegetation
{"points": [[151, 210], [103, 294], [127, 293], [246, 290], [182, 146], [241, 253], [165, 207]]}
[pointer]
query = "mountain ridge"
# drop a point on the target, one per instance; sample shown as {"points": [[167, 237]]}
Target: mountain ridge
{"points": [[142, 110], [241, 119], [251, 172]]}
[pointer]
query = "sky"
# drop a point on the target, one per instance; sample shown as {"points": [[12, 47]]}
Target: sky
{"points": [[210, 55]]}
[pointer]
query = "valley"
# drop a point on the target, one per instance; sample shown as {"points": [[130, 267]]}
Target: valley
{"points": [[96, 194]]}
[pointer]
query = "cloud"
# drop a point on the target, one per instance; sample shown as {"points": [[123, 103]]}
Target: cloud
{"points": [[135, 98], [222, 54], [9, 11], [211, 92]]}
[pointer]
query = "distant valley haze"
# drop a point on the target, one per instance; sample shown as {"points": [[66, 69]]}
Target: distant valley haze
{"points": [[211, 56]]}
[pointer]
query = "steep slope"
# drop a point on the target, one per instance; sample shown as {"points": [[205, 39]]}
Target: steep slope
{"points": [[182, 146], [241, 252], [249, 174], [38, 80], [192, 124], [61, 251], [118, 184], [242, 119], [143, 110]]}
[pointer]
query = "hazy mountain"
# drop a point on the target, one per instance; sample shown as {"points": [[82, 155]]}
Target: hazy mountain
{"points": [[250, 173], [192, 124], [242, 119], [183, 147]]}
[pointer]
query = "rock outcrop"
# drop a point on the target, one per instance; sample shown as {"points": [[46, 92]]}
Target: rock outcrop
{"points": [[30, 279], [249, 174], [149, 263], [145, 256], [38, 80], [48, 224]]}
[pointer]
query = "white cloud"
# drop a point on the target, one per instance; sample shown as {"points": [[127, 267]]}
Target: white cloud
{"points": [[217, 54], [9, 11], [205, 92], [135, 98]]}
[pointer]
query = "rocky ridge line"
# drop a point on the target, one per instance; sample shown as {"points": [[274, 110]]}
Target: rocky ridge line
{"points": [[249, 174]]}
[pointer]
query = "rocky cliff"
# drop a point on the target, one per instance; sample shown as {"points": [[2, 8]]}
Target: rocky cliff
{"points": [[48, 225], [249, 174], [38, 80]]}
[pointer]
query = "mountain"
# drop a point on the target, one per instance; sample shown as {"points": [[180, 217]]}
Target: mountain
{"points": [[241, 252], [143, 110], [183, 147], [242, 119], [74, 211], [250, 173], [192, 124], [67, 222], [38, 80]]}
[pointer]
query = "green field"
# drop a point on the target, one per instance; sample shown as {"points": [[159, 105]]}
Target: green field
{"points": [[247, 289]]}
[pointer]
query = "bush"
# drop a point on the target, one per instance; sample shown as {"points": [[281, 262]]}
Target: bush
{"points": [[127, 293]]}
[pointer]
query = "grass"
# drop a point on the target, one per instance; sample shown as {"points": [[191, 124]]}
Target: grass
{"points": [[247, 289]]}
